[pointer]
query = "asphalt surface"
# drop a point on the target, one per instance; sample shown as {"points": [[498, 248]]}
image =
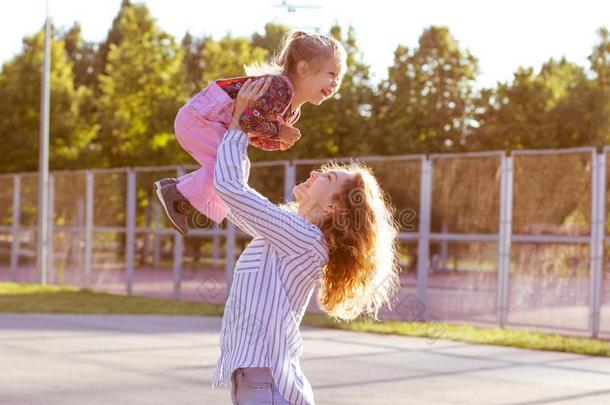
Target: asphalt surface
{"points": [[113, 359]]}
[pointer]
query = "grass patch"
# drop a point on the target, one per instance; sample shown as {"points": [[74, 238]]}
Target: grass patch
{"points": [[472, 334], [33, 298]]}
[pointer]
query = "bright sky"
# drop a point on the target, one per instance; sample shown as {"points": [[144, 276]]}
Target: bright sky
{"points": [[502, 34]]}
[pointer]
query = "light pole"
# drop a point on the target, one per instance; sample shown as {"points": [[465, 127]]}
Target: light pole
{"points": [[43, 161]]}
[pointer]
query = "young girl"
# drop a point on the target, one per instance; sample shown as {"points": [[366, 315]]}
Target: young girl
{"points": [[308, 69]]}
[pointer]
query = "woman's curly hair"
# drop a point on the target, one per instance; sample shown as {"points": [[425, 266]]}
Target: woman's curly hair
{"points": [[361, 274]]}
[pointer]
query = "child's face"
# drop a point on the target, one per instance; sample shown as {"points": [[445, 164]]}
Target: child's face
{"points": [[321, 83]]}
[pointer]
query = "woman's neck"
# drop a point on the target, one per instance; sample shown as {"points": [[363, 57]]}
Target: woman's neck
{"points": [[309, 214]]}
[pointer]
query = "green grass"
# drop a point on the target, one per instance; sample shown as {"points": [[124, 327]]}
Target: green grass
{"points": [[33, 298]]}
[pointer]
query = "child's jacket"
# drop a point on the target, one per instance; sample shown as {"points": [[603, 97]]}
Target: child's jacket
{"points": [[264, 117]]}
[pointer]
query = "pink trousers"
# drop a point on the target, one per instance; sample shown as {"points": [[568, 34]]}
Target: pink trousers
{"points": [[199, 127]]}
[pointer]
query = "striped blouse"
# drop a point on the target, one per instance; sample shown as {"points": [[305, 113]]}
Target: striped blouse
{"points": [[273, 279]]}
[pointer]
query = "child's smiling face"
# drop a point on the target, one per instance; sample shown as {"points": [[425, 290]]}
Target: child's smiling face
{"points": [[320, 83]]}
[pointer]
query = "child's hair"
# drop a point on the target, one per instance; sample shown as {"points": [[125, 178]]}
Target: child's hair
{"points": [[298, 46]]}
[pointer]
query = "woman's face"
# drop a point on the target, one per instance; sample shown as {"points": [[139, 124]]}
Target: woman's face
{"points": [[317, 191]]}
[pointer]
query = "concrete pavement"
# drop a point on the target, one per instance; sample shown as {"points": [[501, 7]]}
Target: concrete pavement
{"points": [[113, 359]]}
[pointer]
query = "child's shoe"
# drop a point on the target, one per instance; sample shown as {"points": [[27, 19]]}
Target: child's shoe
{"points": [[164, 182], [175, 206]]}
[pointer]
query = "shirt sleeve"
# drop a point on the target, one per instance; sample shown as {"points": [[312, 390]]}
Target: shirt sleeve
{"points": [[235, 219], [289, 233], [259, 118]]}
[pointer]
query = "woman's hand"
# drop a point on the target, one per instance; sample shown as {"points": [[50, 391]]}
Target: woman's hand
{"points": [[251, 91]]}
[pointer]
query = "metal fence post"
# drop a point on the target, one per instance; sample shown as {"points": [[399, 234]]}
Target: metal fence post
{"points": [[51, 229], [79, 237], [444, 253], [601, 238], [598, 211], [289, 180], [130, 231], [216, 246], [156, 238], [504, 237], [15, 226], [178, 249], [89, 225], [423, 246]]}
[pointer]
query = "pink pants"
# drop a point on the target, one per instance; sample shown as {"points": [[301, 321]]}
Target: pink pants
{"points": [[199, 127]]}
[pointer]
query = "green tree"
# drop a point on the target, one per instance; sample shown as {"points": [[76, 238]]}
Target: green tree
{"points": [[83, 57], [20, 81], [143, 87], [543, 110], [427, 102], [193, 61], [227, 57], [599, 89], [114, 37], [600, 58], [271, 39]]}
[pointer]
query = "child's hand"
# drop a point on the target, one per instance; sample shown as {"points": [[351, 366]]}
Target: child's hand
{"points": [[288, 136]]}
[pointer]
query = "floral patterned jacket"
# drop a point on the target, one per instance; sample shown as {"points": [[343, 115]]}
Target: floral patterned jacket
{"points": [[265, 116]]}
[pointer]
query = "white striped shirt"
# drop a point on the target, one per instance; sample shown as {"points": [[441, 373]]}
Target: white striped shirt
{"points": [[273, 279]]}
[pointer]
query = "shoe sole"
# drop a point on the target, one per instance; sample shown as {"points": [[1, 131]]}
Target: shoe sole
{"points": [[165, 210], [157, 185]]}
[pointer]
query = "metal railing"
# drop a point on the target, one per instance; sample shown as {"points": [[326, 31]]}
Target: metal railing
{"points": [[463, 205]]}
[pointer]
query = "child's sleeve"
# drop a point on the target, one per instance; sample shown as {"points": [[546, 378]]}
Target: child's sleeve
{"points": [[265, 144], [259, 118], [295, 117]]}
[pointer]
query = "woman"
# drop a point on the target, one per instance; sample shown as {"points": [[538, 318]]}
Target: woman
{"points": [[339, 233]]}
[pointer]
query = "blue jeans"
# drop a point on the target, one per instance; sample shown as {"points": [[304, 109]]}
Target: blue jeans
{"points": [[255, 385]]}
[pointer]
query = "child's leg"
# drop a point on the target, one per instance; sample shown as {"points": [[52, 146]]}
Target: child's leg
{"points": [[200, 138], [198, 188]]}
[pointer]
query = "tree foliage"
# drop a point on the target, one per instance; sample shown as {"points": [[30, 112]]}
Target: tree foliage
{"points": [[113, 103]]}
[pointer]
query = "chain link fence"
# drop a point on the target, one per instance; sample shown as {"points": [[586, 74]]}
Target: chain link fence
{"points": [[516, 241]]}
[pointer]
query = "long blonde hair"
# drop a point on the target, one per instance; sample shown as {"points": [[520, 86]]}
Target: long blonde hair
{"points": [[361, 274], [298, 46]]}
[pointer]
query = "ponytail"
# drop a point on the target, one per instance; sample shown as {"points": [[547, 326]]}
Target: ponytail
{"points": [[299, 46]]}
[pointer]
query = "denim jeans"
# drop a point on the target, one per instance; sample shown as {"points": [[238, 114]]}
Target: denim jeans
{"points": [[255, 385]]}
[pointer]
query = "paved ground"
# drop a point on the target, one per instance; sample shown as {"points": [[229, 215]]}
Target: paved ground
{"points": [[72, 360]]}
